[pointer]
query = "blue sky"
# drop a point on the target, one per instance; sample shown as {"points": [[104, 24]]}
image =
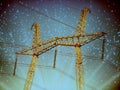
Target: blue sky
{"points": [[16, 18]]}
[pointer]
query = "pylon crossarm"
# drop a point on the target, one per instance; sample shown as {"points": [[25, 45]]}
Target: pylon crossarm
{"points": [[63, 41]]}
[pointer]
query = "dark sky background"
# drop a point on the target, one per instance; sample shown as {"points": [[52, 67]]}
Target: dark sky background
{"points": [[16, 18]]}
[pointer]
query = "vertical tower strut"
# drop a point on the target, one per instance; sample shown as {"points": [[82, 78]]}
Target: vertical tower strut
{"points": [[82, 20], [79, 69], [15, 65], [54, 64], [79, 65], [103, 45], [31, 71]]}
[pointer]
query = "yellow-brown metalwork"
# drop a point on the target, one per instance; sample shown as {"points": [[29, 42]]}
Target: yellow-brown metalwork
{"points": [[76, 40], [80, 39], [82, 20], [79, 65], [30, 74]]}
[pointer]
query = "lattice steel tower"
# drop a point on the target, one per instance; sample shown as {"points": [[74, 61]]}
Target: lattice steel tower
{"points": [[36, 41], [78, 39], [79, 65]]}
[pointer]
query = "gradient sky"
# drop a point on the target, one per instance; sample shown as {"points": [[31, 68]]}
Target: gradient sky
{"points": [[16, 18]]}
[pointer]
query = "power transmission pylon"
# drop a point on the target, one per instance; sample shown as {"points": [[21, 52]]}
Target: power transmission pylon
{"points": [[79, 65], [30, 74], [76, 40]]}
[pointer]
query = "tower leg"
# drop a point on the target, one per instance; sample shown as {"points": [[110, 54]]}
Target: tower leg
{"points": [[103, 44], [15, 66], [79, 69], [54, 64], [30, 73]]}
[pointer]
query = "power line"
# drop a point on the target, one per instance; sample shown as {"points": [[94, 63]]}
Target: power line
{"points": [[39, 12], [13, 45], [62, 53]]}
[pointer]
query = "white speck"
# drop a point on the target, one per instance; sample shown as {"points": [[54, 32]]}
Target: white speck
{"points": [[28, 15], [4, 12], [112, 11], [1, 4], [118, 33], [45, 10], [115, 82], [8, 5], [17, 11], [108, 19]]}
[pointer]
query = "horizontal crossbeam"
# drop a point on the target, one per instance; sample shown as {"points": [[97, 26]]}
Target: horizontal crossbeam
{"points": [[73, 40]]}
